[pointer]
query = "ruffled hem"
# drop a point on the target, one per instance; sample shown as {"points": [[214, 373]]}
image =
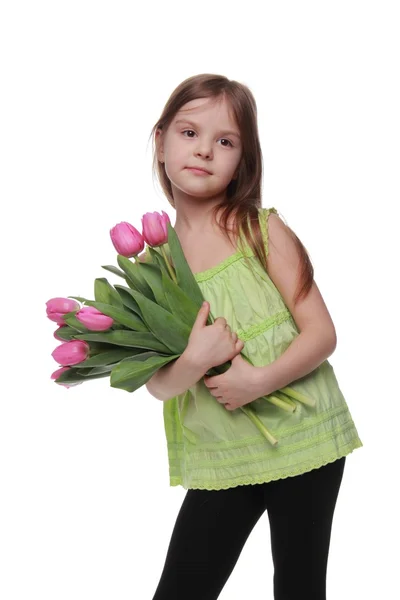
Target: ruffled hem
{"points": [[257, 479]]}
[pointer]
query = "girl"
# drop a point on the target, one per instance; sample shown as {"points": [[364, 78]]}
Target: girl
{"points": [[259, 283]]}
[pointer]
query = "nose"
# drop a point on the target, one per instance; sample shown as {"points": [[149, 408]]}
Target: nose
{"points": [[204, 149]]}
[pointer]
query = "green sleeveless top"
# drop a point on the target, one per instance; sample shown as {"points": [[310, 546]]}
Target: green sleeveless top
{"points": [[212, 448]]}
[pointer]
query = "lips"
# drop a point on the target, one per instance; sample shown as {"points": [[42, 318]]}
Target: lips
{"points": [[200, 169]]}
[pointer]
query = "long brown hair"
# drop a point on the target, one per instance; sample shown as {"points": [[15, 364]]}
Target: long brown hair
{"points": [[243, 194]]}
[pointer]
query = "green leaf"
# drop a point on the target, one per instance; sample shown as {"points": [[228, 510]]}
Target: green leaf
{"points": [[179, 304], [67, 333], [97, 347], [132, 270], [166, 327], [114, 270], [157, 257], [185, 277], [106, 369], [127, 299], [152, 276], [131, 374], [106, 358], [145, 355], [72, 376], [129, 339], [104, 292]]}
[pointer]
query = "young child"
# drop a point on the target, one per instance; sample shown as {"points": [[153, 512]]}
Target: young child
{"points": [[260, 288]]}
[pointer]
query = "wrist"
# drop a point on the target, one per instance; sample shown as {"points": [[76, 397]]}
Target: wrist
{"points": [[262, 381], [193, 364]]}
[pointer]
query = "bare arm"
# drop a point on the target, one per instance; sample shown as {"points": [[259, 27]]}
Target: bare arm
{"points": [[307, 351], [175, 378], [317, 338]]}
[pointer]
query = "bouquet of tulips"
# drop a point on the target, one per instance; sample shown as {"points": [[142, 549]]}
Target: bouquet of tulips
{"points": [[130, 331]]}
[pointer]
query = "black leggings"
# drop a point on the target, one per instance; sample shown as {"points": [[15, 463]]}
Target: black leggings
{"points": [[213, 525]]}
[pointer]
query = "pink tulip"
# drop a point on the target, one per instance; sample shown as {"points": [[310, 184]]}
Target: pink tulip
{"points": [[93, 319], [56, 308], [55, 333], [71, 353], [127, 240], [58, 373], [155, 230]]}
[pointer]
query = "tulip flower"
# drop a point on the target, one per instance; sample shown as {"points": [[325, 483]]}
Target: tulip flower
{"points": [[56, 308], [57, 373], [93, 319], [155, 231], [71, 353], [127, 240]]}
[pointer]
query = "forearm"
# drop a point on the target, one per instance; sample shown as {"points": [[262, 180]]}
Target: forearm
{"points": [[307, 351], [175, 378]]}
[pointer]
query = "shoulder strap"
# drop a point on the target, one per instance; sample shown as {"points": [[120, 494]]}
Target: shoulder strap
{"points": [[263, 215]]}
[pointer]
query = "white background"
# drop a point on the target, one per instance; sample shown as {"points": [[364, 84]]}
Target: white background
{"points": [[86, 507]]}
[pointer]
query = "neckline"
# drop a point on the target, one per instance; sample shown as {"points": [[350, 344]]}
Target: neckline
{"points": [[219, 265], [200, 275], [242, 251]]}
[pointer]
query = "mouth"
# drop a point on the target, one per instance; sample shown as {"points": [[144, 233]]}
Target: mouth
{"points": [[199, 170]]}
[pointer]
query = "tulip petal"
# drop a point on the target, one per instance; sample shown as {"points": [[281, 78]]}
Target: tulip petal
{"points": [[71, 353], [127, 240], [153, 228]]}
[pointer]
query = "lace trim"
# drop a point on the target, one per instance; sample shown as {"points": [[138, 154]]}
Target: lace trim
{"points": [[246, 252], [222, 463], [257, 479], [256, 440], [208, 273], [265, 212], [258, 328], [277, 451]]}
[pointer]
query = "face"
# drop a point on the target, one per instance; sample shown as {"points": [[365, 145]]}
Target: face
{"points": [[202, 134]]}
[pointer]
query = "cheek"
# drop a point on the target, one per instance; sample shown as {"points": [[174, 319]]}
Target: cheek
{"points": [[176, 155]]}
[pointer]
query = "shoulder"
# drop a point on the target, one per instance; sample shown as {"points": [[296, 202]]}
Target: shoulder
{"points": [[285, 264], [283, 258], [281, 238]]}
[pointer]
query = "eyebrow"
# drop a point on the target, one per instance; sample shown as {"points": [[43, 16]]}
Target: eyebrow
{"points": [[225, 131]]}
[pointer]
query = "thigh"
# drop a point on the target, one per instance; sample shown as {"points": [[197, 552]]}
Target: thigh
{"points": [[209, 534], [300, 511]]}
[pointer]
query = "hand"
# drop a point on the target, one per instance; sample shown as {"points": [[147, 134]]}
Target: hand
{"points": [[237, 386]]}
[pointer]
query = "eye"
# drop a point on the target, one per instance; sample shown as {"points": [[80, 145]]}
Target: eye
{"points": [[229, 142], [225, 139], [188, 130]]}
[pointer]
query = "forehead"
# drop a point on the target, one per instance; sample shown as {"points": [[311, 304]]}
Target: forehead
{"points": [[209, 110]]}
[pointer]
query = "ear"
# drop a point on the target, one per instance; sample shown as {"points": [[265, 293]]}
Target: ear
{"points": [[159, 145]]}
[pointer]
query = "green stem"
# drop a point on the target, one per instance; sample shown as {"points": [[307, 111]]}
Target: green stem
{"points": [[297, 396], [286, 399], [259, 424], [170, 269], [280, 402]]}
